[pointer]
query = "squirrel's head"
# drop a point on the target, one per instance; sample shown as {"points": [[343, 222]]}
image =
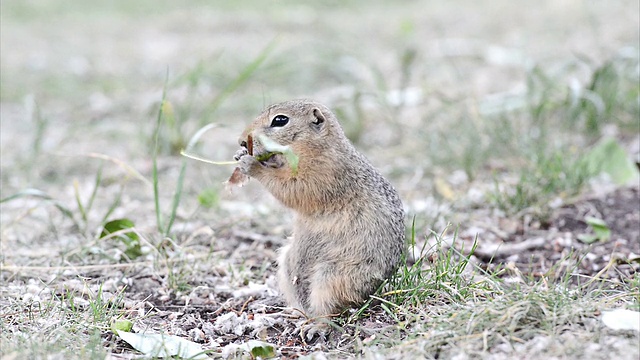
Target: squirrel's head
{"points": [[304, 125]]}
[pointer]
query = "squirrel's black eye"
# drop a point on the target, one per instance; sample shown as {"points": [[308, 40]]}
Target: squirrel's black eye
{"points": [[279, 120]]}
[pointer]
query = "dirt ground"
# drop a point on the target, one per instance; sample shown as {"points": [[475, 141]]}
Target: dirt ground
{"points": [[256, 310], [425, 90]]}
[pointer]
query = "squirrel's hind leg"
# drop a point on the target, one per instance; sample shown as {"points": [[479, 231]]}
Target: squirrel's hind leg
{"points": [[330, 294]]}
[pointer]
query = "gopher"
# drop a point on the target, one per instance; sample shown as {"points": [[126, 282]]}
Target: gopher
{"points": [[349, 221]]}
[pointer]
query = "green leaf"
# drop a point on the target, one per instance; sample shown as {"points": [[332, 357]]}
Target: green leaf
{"points": [[587, 239], [256, 349], [274, 148], [161, 346], [260, 349], [121, 325], [610, 158], [600, 228], [601, 231], [128, 238], [208, 198], [117, 225], [595, 222]]}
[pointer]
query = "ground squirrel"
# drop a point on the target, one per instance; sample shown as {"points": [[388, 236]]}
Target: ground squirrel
{"points": [[349, 225]]}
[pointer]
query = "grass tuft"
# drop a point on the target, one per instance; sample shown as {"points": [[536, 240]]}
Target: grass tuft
{"points": [[559, 174]]}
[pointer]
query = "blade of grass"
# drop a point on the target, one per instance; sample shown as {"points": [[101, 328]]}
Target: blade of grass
{"points": [[96, 184], [243, 77], [44, 196], [76, 193], [196, 157], [192, 142], [113, 206], [128, 169], [156, 192], [84, 209], [176, 198], [194, 139], [165, 230]]}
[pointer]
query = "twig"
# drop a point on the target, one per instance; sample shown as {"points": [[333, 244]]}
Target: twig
{"points": [[15, 268]]}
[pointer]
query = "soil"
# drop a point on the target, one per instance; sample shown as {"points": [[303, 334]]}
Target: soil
{"points": [[616, 258], [259, 313]]}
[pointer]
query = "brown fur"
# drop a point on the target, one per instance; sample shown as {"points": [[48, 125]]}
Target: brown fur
{"points": [[349, 225]]}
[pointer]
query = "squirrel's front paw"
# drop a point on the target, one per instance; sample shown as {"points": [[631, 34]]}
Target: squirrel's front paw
{"points": [[247, 164], [240, 153]]}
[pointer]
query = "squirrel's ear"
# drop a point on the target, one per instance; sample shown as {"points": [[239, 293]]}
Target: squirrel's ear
{"points": [[318, 118]]}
